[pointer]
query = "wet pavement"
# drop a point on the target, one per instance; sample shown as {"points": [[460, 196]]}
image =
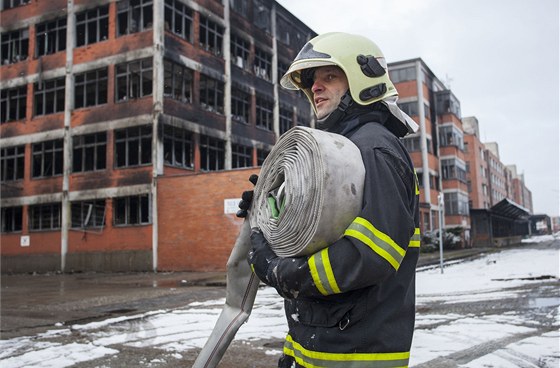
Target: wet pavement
{"points": [[35, 304], [30, 302]]}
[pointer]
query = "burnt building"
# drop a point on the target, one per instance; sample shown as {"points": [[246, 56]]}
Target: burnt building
{"points": [[104, 102]]}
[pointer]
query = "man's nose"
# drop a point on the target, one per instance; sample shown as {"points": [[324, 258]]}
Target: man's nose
{"points": [[316, 87]]}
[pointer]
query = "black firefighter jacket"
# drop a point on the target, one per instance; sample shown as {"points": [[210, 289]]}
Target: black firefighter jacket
{"points": [[352, 304]]}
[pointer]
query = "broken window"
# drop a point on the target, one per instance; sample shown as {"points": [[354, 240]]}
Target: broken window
{"points": [[88, 214], [15, 46], [177, 147], [241, 156], [134, 16], [211, 35], [14, 3], [261, 155], [262, 66], [133, 146], [261, 15], [132, 210], [178, 81], [92, 26], [212, 153], [49, 96], [11, 219], [90, 88], [44, 216], [239, 51], [89, 152], [239, 6], [51, 37], [178, 19], [282, 69], [211, 94], [240, 104], [264, 112], [134, 79], [47, 158], [12, 163], [285, 119], [13, 104]]}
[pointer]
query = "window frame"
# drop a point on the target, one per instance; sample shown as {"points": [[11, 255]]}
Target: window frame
{"points": [[286, 119], [177, 11], [134, 206], [140, 135], [12, 219], [211, 35], [135, 74], [97, 214], [52, 30], [8, 98], [99, 23], [56, 88], [241, 156], [92, 147], [211, 90], [92, 81], [14, 46], [126, 12], [178, 140], [240, 106], [12, 157], [239, 48], [264, 113], [48, 219], [180, 90], [50, 154], [262, 64], [212, 154]]}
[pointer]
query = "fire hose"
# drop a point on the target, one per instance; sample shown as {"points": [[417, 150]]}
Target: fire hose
{"points": [[309, 190]]}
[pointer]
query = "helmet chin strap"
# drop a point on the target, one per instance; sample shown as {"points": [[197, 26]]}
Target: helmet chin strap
{"points": [[337, 115]]}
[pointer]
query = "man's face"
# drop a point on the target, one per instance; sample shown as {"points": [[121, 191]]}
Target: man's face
{"points": [[329, 85]]}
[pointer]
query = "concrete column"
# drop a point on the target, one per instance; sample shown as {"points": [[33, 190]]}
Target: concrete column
{"points": [[276, 108], [157, 110], [228, 83], [66, 218], [423, 136]]}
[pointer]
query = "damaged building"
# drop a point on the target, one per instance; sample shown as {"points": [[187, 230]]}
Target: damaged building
{"points": [[126, 125]]}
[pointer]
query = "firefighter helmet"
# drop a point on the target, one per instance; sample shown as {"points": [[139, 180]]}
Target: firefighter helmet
{"points": [[361, 60]]}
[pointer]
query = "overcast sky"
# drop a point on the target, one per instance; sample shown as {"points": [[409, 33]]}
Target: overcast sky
{"points": [[499, 57]]}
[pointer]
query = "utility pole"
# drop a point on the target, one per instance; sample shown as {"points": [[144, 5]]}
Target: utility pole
{"points": [[440, 202]]}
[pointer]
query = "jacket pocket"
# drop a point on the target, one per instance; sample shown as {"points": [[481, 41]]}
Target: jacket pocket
{"points": [[321, 313]]}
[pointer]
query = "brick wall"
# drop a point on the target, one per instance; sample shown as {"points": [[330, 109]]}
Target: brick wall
{"points": [[194, 232]]}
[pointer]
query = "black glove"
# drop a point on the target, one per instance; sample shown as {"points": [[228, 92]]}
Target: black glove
{"points": [[246, 198], [262, 258]]}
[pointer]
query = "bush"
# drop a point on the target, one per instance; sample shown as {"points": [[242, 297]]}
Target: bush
{"points": [[451, 239]]}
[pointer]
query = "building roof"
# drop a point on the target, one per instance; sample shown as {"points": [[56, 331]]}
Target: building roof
{"points": [[510, 209]]}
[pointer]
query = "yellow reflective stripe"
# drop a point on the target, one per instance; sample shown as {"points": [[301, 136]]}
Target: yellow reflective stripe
{"points": [[315, 275], [315, 359], [322, 273], [415, 240], [416, 182], [379, 242]]}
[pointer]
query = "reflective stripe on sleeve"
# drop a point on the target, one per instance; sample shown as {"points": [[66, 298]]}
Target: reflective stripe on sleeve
{"points": [[322, 273], [378, 241], [315, 359], [415, 240]]}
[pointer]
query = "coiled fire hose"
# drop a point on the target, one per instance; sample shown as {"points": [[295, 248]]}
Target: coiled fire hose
{"points": [[309, 190]]}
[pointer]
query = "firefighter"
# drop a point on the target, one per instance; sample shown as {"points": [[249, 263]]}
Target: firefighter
{"points": [[352, 304]]}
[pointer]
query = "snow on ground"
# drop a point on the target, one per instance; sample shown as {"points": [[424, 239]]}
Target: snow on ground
{"points": [[175, 331]]}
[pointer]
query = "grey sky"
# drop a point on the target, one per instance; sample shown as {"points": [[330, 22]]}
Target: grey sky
{"points": [[499, 57]]}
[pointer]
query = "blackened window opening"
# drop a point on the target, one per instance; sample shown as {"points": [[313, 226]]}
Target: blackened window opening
{"points": [[12, 163], [91, 88], [47, 159], [92, 26], [133, 146], [89, 152]]}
